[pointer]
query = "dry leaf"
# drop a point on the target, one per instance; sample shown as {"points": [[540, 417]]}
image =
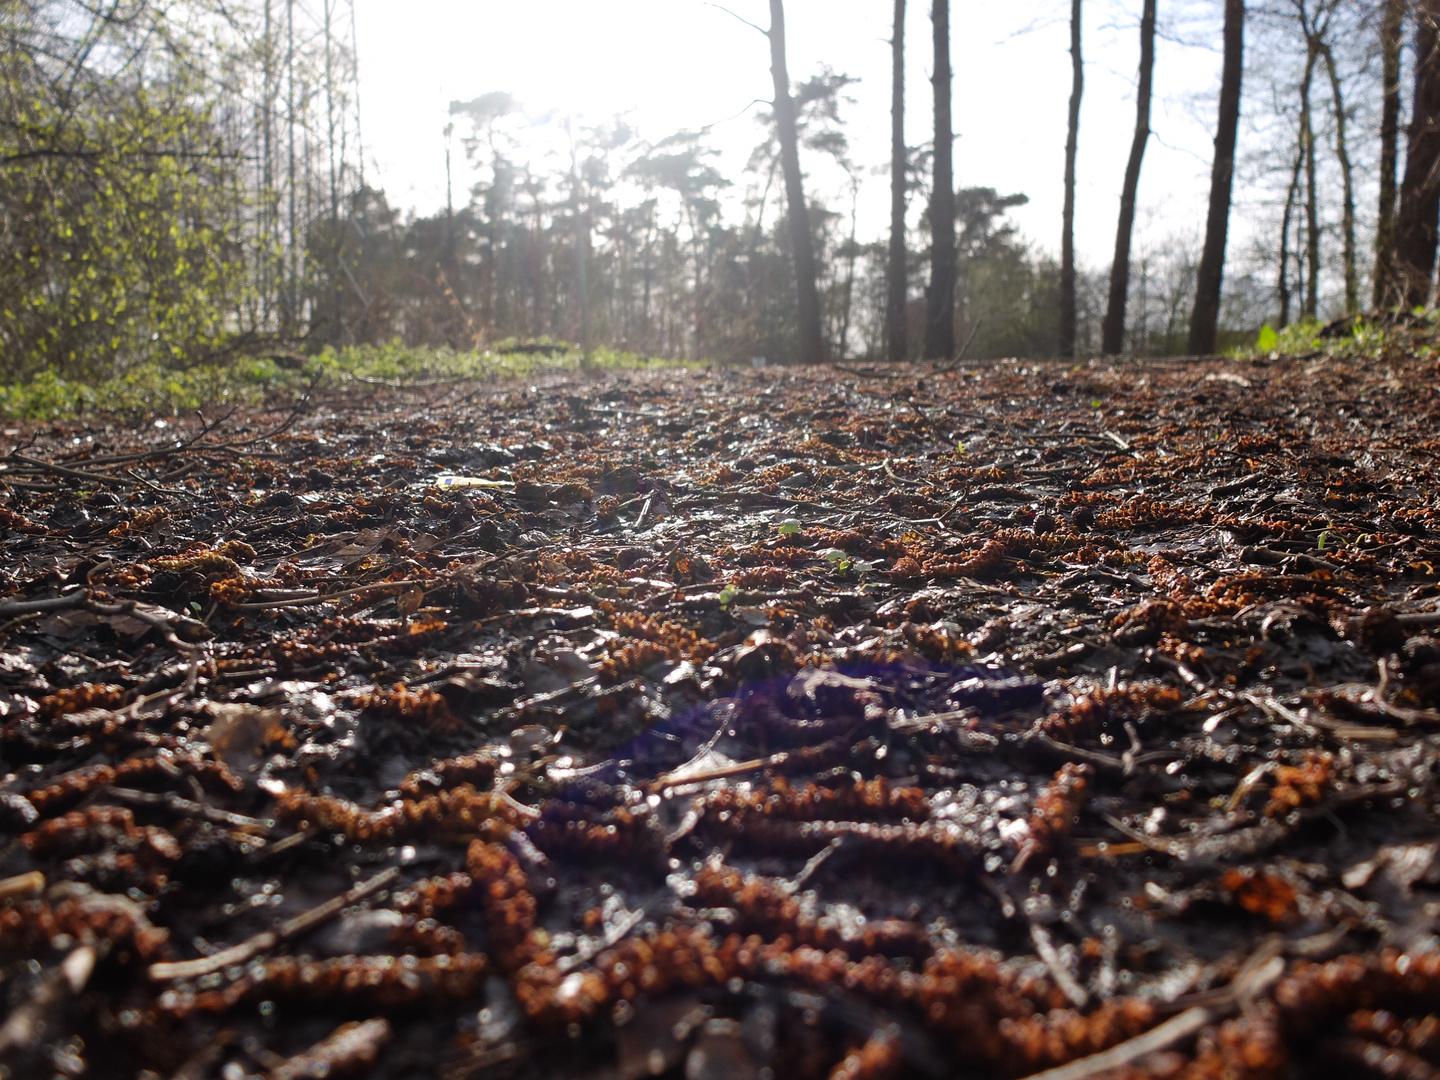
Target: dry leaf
{"points": [[408, 602]]}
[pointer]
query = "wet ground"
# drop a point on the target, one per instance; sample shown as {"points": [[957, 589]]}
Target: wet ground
{"points": [[847, 722]]}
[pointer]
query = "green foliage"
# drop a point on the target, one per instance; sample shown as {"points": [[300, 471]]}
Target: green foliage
{"points": [[1309, 336], [118, 221], [158, 388]]}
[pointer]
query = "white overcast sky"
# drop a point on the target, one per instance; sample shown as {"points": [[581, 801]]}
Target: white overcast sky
{"points": [[684, 64]]}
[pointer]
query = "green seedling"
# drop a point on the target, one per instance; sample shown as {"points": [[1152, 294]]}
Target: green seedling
{"points": [[789, 527], [1268, 339], [727, 595], [1095, 403]]}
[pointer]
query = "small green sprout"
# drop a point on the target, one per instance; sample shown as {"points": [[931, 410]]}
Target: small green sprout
{"points": [[1095, 403], [789, 527], [727, 595], [1324, 535]]}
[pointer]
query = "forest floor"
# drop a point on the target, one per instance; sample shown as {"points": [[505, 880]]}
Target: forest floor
{"points": [[848, 722]]}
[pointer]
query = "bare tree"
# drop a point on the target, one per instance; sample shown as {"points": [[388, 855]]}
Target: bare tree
{"points": [[940, 299], [1415, 223], [1112, 332], [1342, 153], [581, 223], [1067, 215], [1382, 288], [1315, 27], [1206, 313], [896, 275], [811, 340], [1282, 285], [1310, 296]]}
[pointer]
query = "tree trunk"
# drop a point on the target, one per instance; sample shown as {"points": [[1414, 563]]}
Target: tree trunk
{"points": [[1282, 286], [1347, 212], [582, 251], [1382, 291], [940, 299], [1067, 215], [268, 209], [851, 251], [896, 345], [1113, 331], [1311, 302], [290, 317], [1206, 313], [811, 343], [1415, 223]]}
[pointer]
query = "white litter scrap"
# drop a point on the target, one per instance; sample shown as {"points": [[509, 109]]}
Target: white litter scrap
{"points": [[451, 481]]}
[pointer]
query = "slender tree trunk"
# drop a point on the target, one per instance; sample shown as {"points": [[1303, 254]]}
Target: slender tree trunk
{"points": [[1282, 285], [697, 248], [1382, 292], [811, 340], [940, 299], [1205, 315], [355, 89], [267, 203], [646, 336], [1347, 210], [582, 250], [1067, 215], [1310, 304], [1415, 223], [330, 140], [1113, 331], [290, 317], [851, 250], [897, 280]]}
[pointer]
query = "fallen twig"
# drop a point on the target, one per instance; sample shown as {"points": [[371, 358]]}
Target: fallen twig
{"points": [[267, 940]]}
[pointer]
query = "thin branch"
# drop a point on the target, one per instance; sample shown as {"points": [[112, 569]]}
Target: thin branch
{"points": [[747, 22]]}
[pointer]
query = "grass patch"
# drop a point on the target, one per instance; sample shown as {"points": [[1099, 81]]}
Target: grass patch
{"points": [[152, 389], [1416, 334]]}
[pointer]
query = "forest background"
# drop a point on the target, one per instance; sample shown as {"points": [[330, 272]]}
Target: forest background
{"points": [[185, 185]]}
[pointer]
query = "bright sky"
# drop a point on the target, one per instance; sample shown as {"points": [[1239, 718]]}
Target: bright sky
{"points": [[684, 64]]}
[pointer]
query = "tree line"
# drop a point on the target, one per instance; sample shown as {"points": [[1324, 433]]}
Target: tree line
{"points": [[185, 182]]}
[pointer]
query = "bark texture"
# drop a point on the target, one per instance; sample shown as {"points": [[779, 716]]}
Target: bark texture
{"points": [[1382, 292], [1282, 284], [1347, 214], [896, 345], [1113, 331], [810, 343], [1206, 313], [1415, 223], [1310, 301], [1067, 227], [940, 299]]}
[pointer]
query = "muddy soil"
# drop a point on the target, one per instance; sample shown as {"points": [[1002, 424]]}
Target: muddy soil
{"points": [[847, 722]]}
